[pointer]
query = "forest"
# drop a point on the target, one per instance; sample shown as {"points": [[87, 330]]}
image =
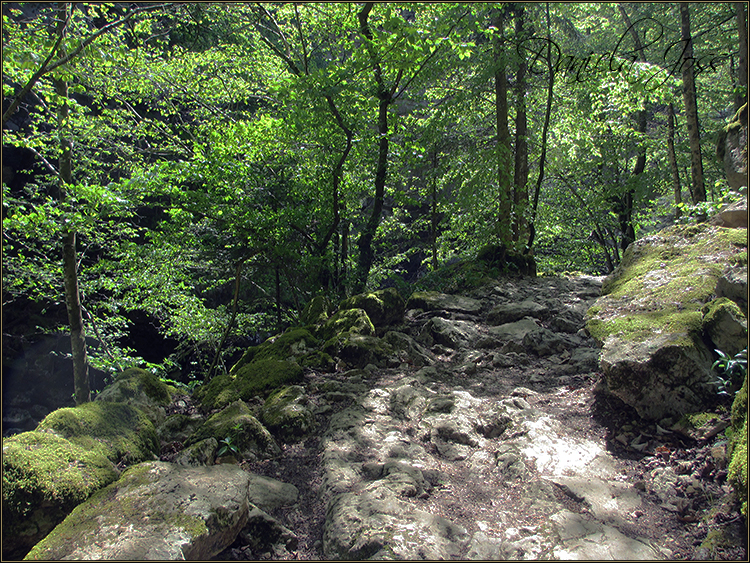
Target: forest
{"points": [[202, 170]]}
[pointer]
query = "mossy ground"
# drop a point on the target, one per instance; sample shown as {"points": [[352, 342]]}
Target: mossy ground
{"points": [[738, 447], [119, 431]]}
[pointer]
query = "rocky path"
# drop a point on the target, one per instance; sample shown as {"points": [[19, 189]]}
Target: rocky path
{"points": [[487, 441]]}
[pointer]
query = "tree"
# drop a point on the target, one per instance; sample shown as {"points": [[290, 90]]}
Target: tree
{"points": [[691, 106]]}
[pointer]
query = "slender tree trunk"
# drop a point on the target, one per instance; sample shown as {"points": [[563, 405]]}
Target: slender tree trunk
{"points": [[70, 269], [691, 107], [433, 211], [504, 152], [676, 188], [385, 99], [545, 131], [521, 169], [741, 98]]}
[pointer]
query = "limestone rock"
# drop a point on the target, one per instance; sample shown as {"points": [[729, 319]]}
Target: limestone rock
{"points": [[384, 307], [247, 434], [515, 331], [270, 494], [733, 215], [510, 312], [375, 523], [649, 318], [725, 325], [435, 301], [347, 322], [408, 349], [287, 413], [453, 334], [200, 453], [44, 478], [731, 149], [140, 389], [155, 511], [733, 284], [119, 431]]}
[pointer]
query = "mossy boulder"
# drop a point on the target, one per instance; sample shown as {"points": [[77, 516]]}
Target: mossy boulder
{"points": [[384, 307], [507, 261], [287, 413], [358, 350], [346, 322], [738, 447], [44, 477], [726, 325], [650, 322], [119, 431], [237, 423], [259, 377], [731, 149], [292, 344], [156, 510], [317, 311], [436, 301], [141, 389]]}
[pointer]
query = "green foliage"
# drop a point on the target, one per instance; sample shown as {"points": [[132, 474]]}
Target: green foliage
{"points": [[731, 371]]}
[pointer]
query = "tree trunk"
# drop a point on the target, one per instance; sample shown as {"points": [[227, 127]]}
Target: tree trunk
{"points": [[385, 98], [433, 211], [70, 269], [504, 152], [676, 188], [521, 169], [691, 107], [545, 131], [741, 97]]}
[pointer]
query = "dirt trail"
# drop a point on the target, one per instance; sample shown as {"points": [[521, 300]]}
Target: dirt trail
{"points": [[493, 452]]}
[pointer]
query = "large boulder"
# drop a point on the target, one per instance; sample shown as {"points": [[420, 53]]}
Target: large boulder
{"points": [[436, 301], [733, 215], [317, 311], [454, 334], [726, 325], [288, 414], [731, 149], [347, 322], [155, 511], [142, 390], [121, 432], [237, 426], [738, 447], [384, 307], [510, 312], [649, 318], [44, 478]]}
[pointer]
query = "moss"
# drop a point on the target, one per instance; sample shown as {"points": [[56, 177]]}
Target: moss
{"points": [[714, 309], [262, 377], [738, 447], [294, 342], [154, 388], [286, 413], [85, 520], [237, 422], [119, 431], [348, 321], [317, 311], [383, 307], [358, 350], [663, 282], [40, 467], [317, 359]]}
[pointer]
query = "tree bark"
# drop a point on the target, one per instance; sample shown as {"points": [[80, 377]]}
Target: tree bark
{"points": [[691, 107], [545, 131], [434, 219], [521, 169], [70, 271], [676, 188], [504, 152], [385, 99], [741, 97]]}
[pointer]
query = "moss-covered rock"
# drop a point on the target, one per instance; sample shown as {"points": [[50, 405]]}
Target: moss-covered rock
{"points": [[738, 447], [384, 307], [347, 322], [290, 345], [725, 324], [731, 149], [141, 389], [44, 478], [358, 350], [156, 510], [120, 432], [237, 423], [436, 301], [287, 413], [650, 319], [317, 311], [259, 377]]}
